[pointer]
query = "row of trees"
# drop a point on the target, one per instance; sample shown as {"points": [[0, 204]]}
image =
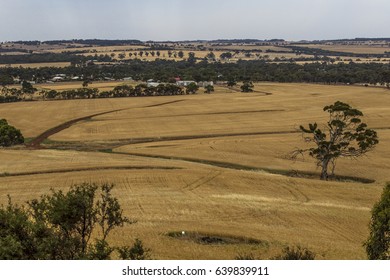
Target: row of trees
{"points": [[120, 91], [15, 95], [165, 71]]}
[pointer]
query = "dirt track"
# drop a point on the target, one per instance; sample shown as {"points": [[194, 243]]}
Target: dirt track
{"points": [[36, 142]]}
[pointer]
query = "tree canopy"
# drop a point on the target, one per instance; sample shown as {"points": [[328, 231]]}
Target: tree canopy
{"points": [[378, 243], [247, 86], [61, 225], [9, 135], [344, 135]]}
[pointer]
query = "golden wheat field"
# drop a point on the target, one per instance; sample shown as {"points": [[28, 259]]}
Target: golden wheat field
{"points": [[212, 165]]}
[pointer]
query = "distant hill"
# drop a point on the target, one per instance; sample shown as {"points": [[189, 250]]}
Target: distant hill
{"points": [[107, 42]]}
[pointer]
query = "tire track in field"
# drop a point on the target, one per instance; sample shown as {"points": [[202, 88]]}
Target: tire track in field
{"points": [[216, 113], [37, 141], [162, 104], [206, 180], [115, 143], [201, 181], [254, 91], [236, 166], [296, 193], [139, 205], [334, 228], [201, 136]]}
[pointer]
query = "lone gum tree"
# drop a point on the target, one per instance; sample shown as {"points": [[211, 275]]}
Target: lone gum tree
{"points": [[345, 135]]}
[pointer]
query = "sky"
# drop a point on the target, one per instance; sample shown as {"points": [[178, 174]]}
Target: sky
{"points": [[175, 20]]}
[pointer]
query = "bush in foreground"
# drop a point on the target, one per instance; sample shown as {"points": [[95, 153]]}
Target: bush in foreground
{"points": [[295, 253], [60, 225], [378, 243]]}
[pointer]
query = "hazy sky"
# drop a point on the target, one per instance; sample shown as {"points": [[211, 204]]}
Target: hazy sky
{"points": [[190, 19]]}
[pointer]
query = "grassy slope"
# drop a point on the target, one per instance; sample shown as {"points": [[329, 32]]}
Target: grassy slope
{"points": [[330, 218]]}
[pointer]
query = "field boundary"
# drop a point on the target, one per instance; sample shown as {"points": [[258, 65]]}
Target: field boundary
{"points": [[98, 168], [37, 141], [235, 166]]}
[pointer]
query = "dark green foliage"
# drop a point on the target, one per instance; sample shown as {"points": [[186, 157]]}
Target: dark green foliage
{"points": [[6, 80], [118, 91], [231, 83], [9, 98], [3, 122], [192, 88], [9, 135], [51, 94], [100, 250], [73, 215], [39, 58], [109, 213], [295, 253], [226, 55], [378, 243], [164, 70], [136, 252], [210, 56], [17, 234], [209, 89], [60, 225], [86, 83], [344, 135], [191, 58], [247, 86], [28, 87]]}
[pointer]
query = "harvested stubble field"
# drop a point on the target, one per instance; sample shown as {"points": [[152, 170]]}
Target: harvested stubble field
{"points": [[210, 164]]}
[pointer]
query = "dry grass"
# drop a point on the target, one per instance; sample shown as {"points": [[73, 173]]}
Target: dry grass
{"points": [[331, 218], [101, 85], [234, 113], [358, 49], [38, 65]]}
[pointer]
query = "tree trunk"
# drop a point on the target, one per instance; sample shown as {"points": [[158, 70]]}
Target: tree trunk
{"points": [[324, 169]]}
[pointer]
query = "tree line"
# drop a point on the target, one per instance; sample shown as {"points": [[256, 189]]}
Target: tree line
{"points": [[255, 70], [25, 94]]}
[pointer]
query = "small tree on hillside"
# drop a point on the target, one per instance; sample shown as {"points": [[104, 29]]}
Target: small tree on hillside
{"points": [[226, 55], [345, 135], [209, 89], [192, 88], [247, 86], [231, 83], [6, 80], [191, 57], [180, 54], [378, 243], [28, 88]]}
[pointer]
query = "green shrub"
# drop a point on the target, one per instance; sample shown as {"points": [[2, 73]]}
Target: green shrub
{"points": [[295, 253]]}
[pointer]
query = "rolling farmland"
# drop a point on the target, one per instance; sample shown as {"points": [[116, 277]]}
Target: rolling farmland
{"points": [[210, 165]]}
